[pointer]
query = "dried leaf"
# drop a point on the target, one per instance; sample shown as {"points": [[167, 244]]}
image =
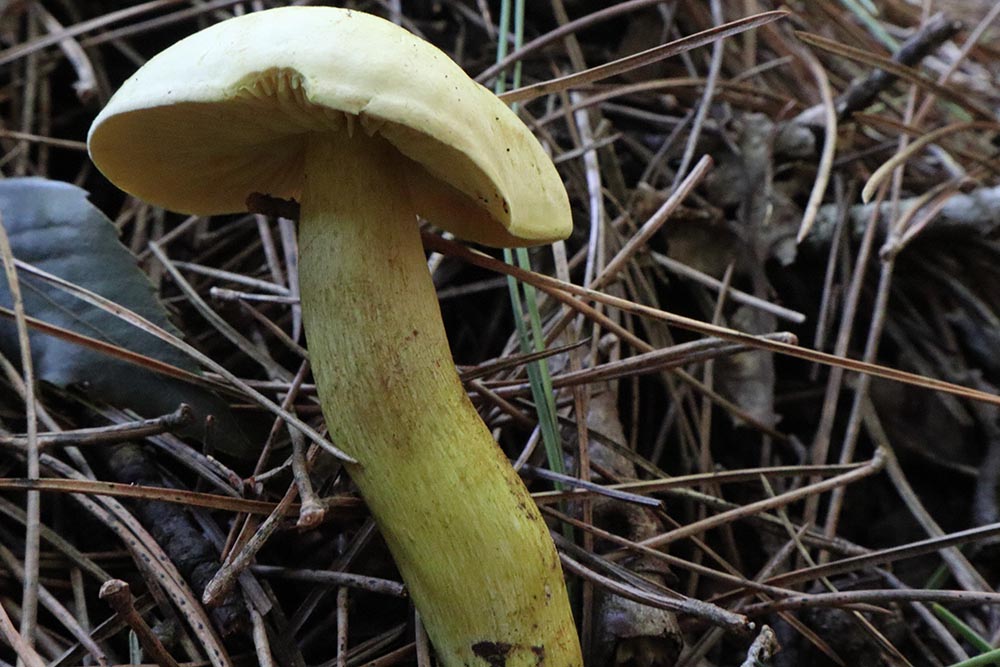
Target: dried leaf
{"points": [[51, 225]]}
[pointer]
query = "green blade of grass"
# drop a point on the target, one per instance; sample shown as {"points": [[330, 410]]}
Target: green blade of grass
{"points": [[989, 658], [961, 628], [530, 333]]}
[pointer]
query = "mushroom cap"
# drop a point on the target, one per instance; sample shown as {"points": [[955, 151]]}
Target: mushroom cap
{"points": [[226, 112]]}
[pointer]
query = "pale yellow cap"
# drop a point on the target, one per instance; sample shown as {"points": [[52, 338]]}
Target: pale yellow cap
{"points": [[224, 113]]}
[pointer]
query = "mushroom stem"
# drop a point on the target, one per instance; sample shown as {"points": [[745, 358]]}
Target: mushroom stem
{"points": [[467, 537]]}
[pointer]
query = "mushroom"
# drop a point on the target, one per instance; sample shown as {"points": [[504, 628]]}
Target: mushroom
{"points": [[369, 127]]}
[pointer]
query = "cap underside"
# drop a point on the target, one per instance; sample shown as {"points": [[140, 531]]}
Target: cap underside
{"points": [[199, 138]]}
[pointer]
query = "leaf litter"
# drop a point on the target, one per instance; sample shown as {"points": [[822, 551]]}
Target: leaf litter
{"points": [[874, 474]]}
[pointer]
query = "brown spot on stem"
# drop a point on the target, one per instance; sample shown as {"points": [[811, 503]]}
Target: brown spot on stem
{"points": [[495, 653]]}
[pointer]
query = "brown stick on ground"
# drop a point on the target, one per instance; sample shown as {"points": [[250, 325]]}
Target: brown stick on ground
{"points": [[116, 593]]}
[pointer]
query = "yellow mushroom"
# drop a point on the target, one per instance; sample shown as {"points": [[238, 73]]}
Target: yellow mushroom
{"points": [[368, 127]]}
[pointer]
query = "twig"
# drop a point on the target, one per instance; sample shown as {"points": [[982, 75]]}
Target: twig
{"points": [[239, 278], [560, 32], [313, 510], [763, 648], [116, 593], [342, 621], [109, 628], [106, 435], [49, 141], [881, 557], [178, 496], [56, 608], [850, 598], [27, 48], [896, 70], [824, 429], [149, 327], [647, 362], [110, 349], [957, 562], [973, 39], [733, 294], [203, 7], [649, 229], [398, 656], [224, 294], [715, 478], [550, 285], [716, 615], [655, 54], [29, 597], [973, 214], [862, 93], [261, 644], [590, 486], [508, 362], [422, 642], [332, 578], [218, 323], [226, 577], [829, 146], [86, 81], [25, 651], [705, 103], [871, 467]]}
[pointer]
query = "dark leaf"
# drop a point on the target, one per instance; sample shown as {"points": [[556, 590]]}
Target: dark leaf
{"points": [[52, 226]]}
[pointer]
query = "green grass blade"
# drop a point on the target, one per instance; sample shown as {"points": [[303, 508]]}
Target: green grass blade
{"points": [[530, 333], [990, 658], [959, 627]]}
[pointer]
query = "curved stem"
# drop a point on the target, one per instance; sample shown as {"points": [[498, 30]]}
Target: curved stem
{"points": [[468, 539]]}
